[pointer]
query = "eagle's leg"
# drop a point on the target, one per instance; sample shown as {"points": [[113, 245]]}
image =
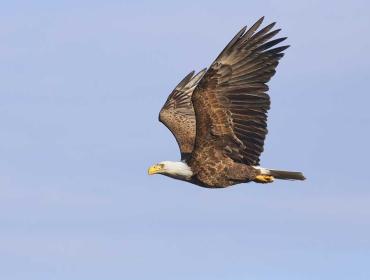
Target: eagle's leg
{"points": [[242, 172], [264, 179]]}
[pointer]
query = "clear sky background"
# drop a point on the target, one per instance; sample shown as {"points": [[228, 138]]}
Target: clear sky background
{"points": [[81, 86]]}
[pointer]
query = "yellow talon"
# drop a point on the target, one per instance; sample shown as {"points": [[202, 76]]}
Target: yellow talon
{"points": [[264, 179]]}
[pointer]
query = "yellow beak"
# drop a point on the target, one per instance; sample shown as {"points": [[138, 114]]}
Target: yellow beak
{"points": [[154, 169]]}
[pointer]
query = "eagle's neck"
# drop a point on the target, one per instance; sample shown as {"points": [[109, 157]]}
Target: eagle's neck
{"points": [[178, 170]]}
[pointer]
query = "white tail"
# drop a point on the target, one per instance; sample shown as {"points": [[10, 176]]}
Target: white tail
{"points": [[281, 174]]}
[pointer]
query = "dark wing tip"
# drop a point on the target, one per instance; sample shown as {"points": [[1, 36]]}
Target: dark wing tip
{"points": [[185, 80], [278, 41], [260, 20], [258, 23], [188, 76], [271, 25], [200, 74], [238, 35], [279, 49], [202, 71], [196, 78]]}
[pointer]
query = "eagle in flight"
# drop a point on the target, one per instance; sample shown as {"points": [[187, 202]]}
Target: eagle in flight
{"points": [[219, 116]]}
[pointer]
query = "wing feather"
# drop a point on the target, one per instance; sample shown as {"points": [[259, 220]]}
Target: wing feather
{"points": [[231, 100], [177, 114]]}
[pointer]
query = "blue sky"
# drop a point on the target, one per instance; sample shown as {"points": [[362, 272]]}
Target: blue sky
{"points": [[81, 86]]}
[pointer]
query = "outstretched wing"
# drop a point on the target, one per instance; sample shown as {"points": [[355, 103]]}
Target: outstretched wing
{"points": [[177, 114], [231, 100]]}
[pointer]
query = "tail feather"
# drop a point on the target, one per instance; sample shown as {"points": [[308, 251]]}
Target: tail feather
{"points": [[286, 175]]}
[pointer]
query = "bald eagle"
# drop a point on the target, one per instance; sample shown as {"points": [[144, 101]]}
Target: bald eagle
{"points": [[219, 115]]}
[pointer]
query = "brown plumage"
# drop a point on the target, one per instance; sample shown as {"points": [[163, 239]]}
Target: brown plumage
{"points": [[178, 113], [218, 116]]}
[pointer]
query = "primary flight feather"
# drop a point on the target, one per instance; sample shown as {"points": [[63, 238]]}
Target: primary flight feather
{"points": [[219, 116]]}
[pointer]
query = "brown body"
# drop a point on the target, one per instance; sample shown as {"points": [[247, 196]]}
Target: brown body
{"points": [[215, 170]]}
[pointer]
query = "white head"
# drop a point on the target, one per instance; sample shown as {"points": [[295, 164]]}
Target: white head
{"points": [[178, 170]]}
